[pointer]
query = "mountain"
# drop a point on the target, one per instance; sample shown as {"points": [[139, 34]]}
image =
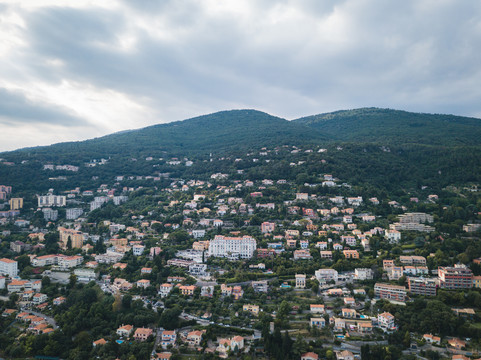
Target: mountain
{"points": [[221, 131], [388, 126], [383, 148]]}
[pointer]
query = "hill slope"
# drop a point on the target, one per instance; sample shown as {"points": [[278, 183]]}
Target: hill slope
{"points": [[221, 131], [396, 127]]}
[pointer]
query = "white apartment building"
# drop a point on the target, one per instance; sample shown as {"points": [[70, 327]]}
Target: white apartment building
{"points": [[8, 267], [52, 200], [362, 274], [138, 249], [74, 213], [394, 236], [232, 247], [324, 275]]}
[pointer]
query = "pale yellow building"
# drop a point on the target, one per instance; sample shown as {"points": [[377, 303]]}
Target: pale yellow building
{"points": [[16, 203]]}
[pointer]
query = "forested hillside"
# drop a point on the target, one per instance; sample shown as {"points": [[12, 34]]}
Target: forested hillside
{"points": [[396, 127]]}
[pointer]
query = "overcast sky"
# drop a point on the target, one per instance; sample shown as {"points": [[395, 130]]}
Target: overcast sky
{"points": [[72, 70]]}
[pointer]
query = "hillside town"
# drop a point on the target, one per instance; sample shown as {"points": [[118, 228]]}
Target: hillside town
{"points": [[231, 267]]}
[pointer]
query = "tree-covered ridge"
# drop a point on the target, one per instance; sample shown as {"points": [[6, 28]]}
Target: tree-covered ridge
{"points": [[225, 130], [396, 127]]}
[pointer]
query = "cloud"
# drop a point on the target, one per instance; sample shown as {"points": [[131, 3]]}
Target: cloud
{"points": [[126, 64], [16, 109]]}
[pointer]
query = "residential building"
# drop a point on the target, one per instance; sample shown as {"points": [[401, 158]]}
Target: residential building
{"points": [[393, 236], [74, 213], [70, 237], [309, 356], [165, 289], [325, 275], [16, 203], [349, 313], [85, 275], [142, 334], [363, 274], [138, 249], [351, 254], [431, 339], [52, 200], [49, 214], [395, 272], [253, 309], [457, 277], [195, 337], [167, 338], [125, 330], [187, 290], [317, 309], [300, 281], [318, 322], [423, 286], [267, 227], [386, 321], [232, 247], [8, 267], [388, 291], [260, 286], [302, 255], [344, 355]]}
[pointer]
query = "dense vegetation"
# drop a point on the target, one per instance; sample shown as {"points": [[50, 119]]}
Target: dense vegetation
{"points": [[388, 126]]}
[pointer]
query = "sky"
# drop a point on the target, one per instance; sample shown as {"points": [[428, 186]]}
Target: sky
{"points": [[74, 70]]}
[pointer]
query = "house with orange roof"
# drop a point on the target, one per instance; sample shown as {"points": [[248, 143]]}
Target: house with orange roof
{"points": [[120, 266], [167, 338], [456, 343], [195, 337], [317, 309], [310, 356], [141, 334], [144, 283], [125, 330], [187, 290], [162, 356], [59, 300], [351, 254], [165, 289], [99, 342], [431, 339], [39, 298]]}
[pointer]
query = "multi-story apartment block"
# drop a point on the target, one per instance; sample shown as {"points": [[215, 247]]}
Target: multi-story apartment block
{"points": [[324, 275], [457, 277], [74, 213], [8, 267], [76, 238], [52, 200], [362, 274], [416, 218], [388, 291], [16, 203], [232, 247], [413, 260], [260, 286], [412, 226], [386, 321], [422, 286]]}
